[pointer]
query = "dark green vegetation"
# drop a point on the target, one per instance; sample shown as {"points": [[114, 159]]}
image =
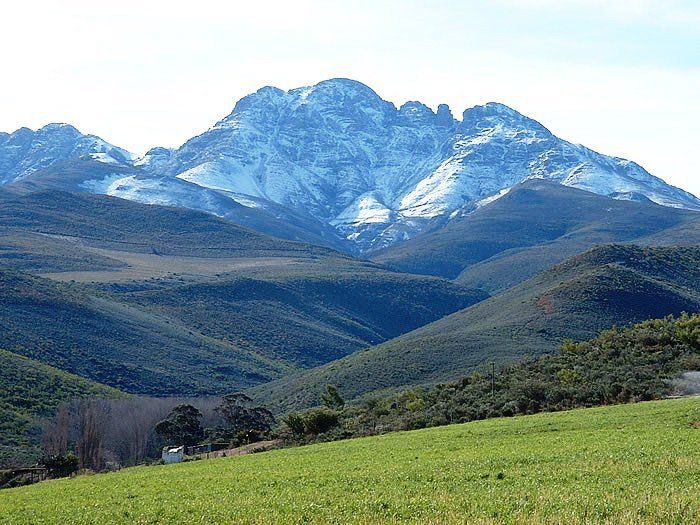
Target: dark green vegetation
{"points": [[640, 363], [74, 329], [606, 286], [309, 314], [29, 390], [536, 225], [239, 423], [215, 337], [182, 426], [628, 464]]}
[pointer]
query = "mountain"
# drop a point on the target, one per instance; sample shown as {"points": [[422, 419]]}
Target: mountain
{"points": [[30, 389], [606, 286], [532, 227], [378, 173], [164, 301], [25, 151], [358, 168]]}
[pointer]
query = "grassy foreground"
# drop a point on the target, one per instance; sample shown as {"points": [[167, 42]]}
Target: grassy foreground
{"points": [[624, 464]]}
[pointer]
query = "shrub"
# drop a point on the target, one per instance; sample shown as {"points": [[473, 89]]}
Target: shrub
{"points": [[295, 423], [61, 465], [320, 421]]}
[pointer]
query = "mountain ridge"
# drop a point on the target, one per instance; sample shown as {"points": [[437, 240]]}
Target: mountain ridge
{"points": [[536, 224], [336, 152]]}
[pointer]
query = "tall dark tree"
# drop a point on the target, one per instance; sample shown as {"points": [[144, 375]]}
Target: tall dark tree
{"points": [[243, 422], [182, 426]]}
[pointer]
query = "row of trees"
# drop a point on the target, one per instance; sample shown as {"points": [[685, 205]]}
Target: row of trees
{"points": [[240, 423], [111, 433]]}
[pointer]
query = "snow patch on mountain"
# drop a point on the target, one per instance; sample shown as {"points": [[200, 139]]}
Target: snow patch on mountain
{"points": [[26, 151], [366, 209], [223, 175]]}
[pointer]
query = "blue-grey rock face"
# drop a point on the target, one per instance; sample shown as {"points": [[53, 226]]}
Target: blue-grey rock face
{"points": [[340, 154]]}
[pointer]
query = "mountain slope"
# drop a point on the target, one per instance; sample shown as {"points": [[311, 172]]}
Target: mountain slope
{"points": [[533, 226], [88, 175], [59, 231], [357, 167], [216, 336], [176, 301], [30, 389], [306, 314], [109, 342], [138, 227], [610, 285]]}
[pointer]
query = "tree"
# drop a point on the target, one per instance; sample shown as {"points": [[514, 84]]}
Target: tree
{"points": [[332, 398], [320, 421], [56, 432], [243, 421], [182, 426], [92, 415], [296, 424], [61, 465]]}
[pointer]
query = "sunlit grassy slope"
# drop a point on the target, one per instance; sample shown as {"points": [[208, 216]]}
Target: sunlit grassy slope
{"points": [[625, 464]]}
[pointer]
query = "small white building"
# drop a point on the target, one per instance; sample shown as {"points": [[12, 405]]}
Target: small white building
{"points": [[173, 454]]}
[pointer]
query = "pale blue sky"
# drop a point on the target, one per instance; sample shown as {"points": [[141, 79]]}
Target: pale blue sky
{"points": [[621, 77]]}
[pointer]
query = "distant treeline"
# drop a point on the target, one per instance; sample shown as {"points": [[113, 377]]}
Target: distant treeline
{"points": [[107, 434], [113, 433], [647, 361]]}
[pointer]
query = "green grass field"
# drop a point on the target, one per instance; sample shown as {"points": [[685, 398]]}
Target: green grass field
{"points": [[625, 464]]}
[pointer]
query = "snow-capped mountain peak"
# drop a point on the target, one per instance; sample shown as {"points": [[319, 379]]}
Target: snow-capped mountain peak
{"points": [[339, 153], [25, 151]]}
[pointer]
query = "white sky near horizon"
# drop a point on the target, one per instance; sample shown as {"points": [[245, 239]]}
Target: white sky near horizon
{"points": [[621, 77]]}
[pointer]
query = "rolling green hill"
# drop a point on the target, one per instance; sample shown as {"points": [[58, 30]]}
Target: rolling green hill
{"points": [[65, 232], [534, 226], [623, 464], [29, 389], [115, 223], [216, 336], [96, 337], [606, 286], [177, 302], [306, 315]]}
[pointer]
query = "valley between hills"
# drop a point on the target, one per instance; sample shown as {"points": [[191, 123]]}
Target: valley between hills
{"points": [[321, 265]]}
